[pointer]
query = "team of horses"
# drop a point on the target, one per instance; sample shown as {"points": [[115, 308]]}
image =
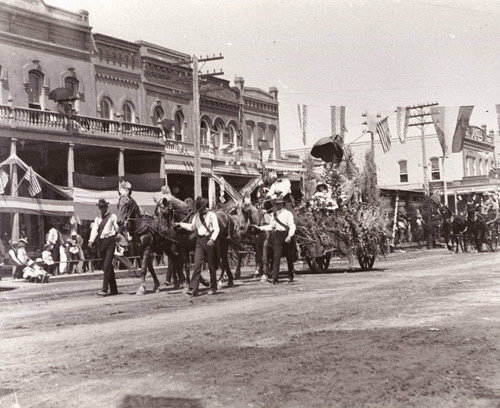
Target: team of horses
{"points": [[468, 233], [159, 234]]}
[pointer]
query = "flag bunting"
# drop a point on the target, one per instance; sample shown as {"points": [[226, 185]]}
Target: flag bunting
{"points": [[34, 187], [384, 134], [4, 179]]}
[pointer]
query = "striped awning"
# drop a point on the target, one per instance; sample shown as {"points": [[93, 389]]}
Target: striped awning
{"points": [[235, 170], [185, 167]]}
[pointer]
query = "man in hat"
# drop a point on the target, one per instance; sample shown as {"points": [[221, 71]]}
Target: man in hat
{"points": [[207, 227], [23, 258], [281, 188], [283, 226], [103, 234]]}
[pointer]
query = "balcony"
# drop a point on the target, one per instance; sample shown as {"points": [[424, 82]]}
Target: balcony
{"points": [[92, 128], [46, 121]]}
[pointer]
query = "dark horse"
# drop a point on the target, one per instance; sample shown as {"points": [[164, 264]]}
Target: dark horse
{"points": [[247, 218], [151, 234], [174, 210], [459, 231]]}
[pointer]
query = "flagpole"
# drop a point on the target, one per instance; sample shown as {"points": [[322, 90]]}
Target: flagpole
{"points": [[445, 186]]}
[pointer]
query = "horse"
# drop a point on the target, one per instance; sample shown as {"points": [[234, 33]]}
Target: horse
{"points": [[150, 235], [174, 211], [247, 218]]}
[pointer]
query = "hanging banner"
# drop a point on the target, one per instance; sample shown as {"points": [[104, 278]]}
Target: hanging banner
{"points": [[451, 124], [403, 117]]}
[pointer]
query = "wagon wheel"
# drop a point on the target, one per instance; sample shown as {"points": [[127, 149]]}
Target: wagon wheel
{"points": [[318, 264], [366, 262], [492, 240]]}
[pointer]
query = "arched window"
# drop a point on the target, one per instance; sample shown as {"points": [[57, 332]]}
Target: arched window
{"points": [[251, 134], [218, 134], [158, 115], [35, 81], [71, 84], [179, 125], [230, 135], [403, 171], [204, 133], [435, 174], [128, 112], [106, 108]]}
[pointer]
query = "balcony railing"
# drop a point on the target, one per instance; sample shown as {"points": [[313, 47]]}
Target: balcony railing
{"points": [[43, 121], [85, 125]]}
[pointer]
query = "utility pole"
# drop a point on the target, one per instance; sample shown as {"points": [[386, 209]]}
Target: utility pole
{"points": [[421, 114], [195, 120]]}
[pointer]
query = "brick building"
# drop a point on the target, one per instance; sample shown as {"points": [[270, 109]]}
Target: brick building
{"points": [[132, 120]]}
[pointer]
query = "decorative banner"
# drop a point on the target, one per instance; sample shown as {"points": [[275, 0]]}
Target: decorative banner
{"points": [[338, 120], [303, 122], [403, 117], [4, 179], [451, 123]]}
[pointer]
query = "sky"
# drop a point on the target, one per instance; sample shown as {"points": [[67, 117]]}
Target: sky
{"points": [[371, 55]]}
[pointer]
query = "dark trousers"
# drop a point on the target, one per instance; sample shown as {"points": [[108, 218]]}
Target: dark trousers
{"points": [[280, 248], [107, 252], [201, 252]]}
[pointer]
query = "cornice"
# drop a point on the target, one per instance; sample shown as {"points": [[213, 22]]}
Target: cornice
{"points": [[44, 46], [122, 75], [167, 91]]}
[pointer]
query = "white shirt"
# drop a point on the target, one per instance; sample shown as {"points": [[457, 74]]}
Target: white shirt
{"points": [[280, 188], [53, 236], [286, 218], [197, 225], [109, 230]]}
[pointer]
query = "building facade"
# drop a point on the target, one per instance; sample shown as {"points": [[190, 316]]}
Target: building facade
{"points": [[465, 173], [132, 119]]}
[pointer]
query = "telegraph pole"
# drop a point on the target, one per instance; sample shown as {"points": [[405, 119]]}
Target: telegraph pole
{"points": [[195, 120], [421, 114]]}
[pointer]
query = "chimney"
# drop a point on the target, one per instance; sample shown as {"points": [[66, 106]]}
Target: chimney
{"points": [[239, 82], [274, 92]]}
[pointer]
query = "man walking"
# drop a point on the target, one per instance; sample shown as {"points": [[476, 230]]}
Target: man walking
{"points": [[283, 227], [103, 233], [207, 227]]}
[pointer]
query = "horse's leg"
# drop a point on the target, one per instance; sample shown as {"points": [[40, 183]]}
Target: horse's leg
{"points": [[156, 287], [224, 252], [144, 265]]}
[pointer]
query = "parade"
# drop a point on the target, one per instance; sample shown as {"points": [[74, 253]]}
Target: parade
{"points": [[249, 204]]}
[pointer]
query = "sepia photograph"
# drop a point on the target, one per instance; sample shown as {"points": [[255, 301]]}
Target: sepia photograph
{"points": [[249, 204]]}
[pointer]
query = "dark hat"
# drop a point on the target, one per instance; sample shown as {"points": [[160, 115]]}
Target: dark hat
{"points": [[277, 200], [200, 203], [280, 172], [102, 203], [66, 227], [321, 185]]}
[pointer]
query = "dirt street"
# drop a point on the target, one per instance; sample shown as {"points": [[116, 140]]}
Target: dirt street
{"points": [[422, 330]]}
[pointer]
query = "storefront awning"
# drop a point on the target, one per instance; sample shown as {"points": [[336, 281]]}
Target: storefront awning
{"points": [[235, 170], [185, 167], [37, 206]]}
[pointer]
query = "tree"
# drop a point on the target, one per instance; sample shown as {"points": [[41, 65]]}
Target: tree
{"points": [[370, 192]]}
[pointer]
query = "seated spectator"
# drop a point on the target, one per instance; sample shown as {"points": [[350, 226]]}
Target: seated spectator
{"points": [[48, 260], [22, 257]]}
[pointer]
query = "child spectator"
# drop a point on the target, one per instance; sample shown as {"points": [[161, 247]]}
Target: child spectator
{"points": [[48, 260]]}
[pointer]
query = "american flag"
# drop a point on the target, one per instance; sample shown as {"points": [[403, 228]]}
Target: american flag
{"points": [[34, 187], [4, 179], [384, 134], [436, 196]]}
